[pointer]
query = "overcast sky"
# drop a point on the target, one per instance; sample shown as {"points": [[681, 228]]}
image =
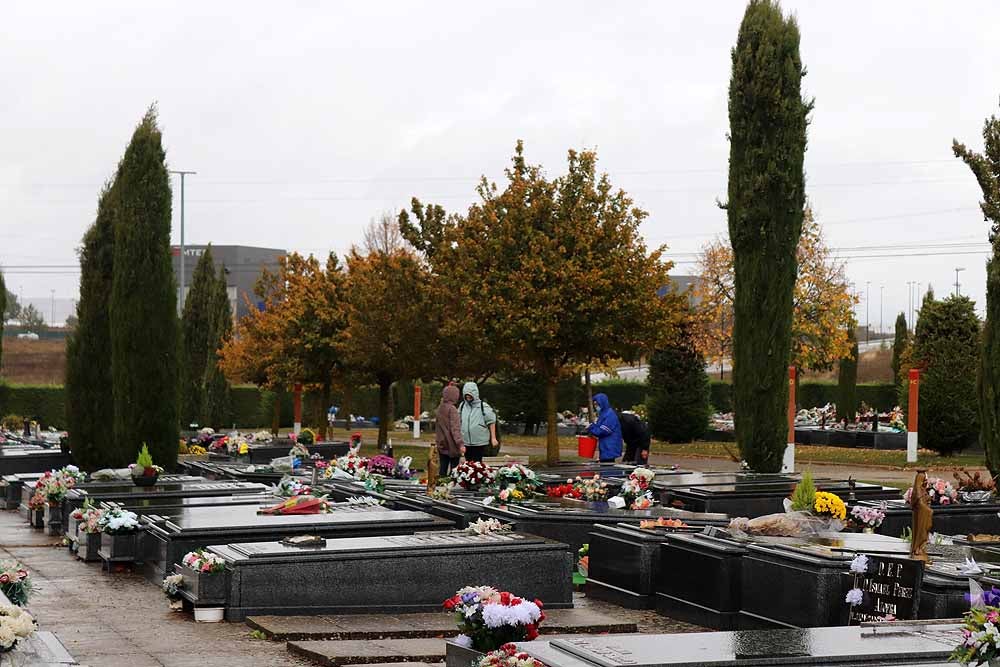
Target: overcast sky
{"points": [[304, 120]]}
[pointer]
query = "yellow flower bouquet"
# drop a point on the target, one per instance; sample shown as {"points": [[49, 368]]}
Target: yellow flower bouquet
{"points": [[829, 504]]}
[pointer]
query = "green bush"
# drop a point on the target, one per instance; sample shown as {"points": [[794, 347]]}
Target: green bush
{"points": [[678, 403], [45, 404]]}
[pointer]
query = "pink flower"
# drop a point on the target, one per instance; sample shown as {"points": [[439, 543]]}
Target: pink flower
{"points": [[945, 500], [993, 616], [206, 566]]}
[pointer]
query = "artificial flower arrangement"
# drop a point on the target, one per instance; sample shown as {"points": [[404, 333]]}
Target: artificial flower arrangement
{"points": [[351, 463], [116, 521], [830, 505], [304, 504], [203, 561], [261, 436], [488, 527], [306, 436], [507, 656], [635, 493], [71, 475], [289, 486], [50, 489], [143, 466], [940, 492], [87, 517], [867, 517], [807, 512], [512, 483], [973, 487], [980, 637], [15, 582], [567, 490], [662, 522], [381, 464], [859, 565], [443, 491], [374, 482], [172, 585], [583, 560], [591, 488], [15, 624], [471, 475], [488, 618]]}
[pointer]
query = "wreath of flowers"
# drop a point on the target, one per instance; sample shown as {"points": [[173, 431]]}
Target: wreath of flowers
{"points": [[507, 656], [488, 618], [472, 474]]}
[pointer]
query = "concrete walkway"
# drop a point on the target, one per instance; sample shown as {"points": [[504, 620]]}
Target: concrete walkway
{"points": [[122, 620]]}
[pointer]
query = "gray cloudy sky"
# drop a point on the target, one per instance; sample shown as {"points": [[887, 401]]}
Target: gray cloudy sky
{"points": [[305, 120]]}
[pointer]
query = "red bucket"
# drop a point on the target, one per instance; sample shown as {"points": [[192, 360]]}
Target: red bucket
{"points": [[586, 445]]}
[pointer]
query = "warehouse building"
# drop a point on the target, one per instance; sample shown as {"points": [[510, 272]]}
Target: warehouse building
{"points": [[244, 265]]}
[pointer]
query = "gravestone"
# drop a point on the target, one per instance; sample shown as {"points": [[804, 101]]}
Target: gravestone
{"points": [[700, 580], [390, 574], [891, 587]]}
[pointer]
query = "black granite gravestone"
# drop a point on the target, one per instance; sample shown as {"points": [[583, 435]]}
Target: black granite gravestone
{"points": [[890, 590]]}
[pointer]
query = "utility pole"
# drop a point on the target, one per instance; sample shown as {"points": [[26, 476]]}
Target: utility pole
{"points": [[52, 309], [958, 285], [868, 321], [881, 311], [180, 299], [909, 308]]}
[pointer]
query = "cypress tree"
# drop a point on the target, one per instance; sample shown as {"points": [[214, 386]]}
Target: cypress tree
{"points": [[196, 324], [216, 409], [767, 143], [847, 380], [899, 344], [3, 309], [985, 167], [89, 399], [144, 329], [678, 401]]}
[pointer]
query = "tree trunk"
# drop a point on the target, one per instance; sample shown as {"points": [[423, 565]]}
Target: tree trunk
{"points": [[590, 395], [345, 406], [384, 389], [324, 407], [276, 414], [551, 433]]}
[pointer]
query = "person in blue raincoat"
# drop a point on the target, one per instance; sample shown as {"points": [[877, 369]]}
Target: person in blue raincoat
{"points": [[607, 430]]}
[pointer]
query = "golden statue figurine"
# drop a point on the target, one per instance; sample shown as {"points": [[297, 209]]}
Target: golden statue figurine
{"points": [[433, 466], [923, 516]]}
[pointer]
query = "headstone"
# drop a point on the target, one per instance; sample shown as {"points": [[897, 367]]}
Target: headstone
{"points": [[891, 587]]}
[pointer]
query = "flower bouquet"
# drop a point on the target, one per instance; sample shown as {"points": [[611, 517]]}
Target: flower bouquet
{"points": [[807, 512], [443, 491], [512, 483], [869, 518], [940, 492], [488, 527], [973, 488], [15, 624], [507, 656], [119, 530], [172, 586], [471, 475], [204, 576], [382, 465], [15, 582], [567, 490], [304, 504], [662, 522], [590, 488], [583, 560], [488, 618], [36, 509], [306, 437], [635, 493], [144, 473], [350, 463], [289, 486]]}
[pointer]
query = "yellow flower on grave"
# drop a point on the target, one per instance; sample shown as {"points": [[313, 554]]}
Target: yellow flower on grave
{"points": [[244, 448], [830, 504], [516, 494]]}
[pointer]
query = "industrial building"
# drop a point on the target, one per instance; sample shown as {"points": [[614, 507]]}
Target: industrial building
{"points": [[244, 264]]}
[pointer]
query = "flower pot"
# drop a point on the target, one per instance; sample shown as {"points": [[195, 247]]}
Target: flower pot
{"points": [[204, 587], [37, 518], [119, 547], [868, 529], [145, 480], [975, 496], [88, 547], [208, 614], [53, 518]]}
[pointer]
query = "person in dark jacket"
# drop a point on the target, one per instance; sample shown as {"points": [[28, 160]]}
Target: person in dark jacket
{"points": [[635, 433], [448, 431], [607, 430]]}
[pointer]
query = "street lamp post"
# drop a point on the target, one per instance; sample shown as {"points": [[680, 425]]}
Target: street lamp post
{"points": [[868, 300], [52, 308], [881, 310], [958, 285], [180, 300]]}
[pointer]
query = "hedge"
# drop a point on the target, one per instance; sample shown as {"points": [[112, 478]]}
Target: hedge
{"points": [[252, 407]]}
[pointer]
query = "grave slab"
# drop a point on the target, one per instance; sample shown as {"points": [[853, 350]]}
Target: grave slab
{"points": [[369, 652]]}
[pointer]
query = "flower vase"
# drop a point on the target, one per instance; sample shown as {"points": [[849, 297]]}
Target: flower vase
{"points": [[88, 546], [119, 547], [37, 517], [205, 587], [53, 518], [145, 480], [868, 529]]}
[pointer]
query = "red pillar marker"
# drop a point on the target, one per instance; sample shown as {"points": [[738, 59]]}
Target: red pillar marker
{"points": [[788, 461], [297, 406], [913, 407]]}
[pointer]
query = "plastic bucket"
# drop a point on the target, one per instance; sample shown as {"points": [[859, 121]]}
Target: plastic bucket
{"points": [[208, 614], [586, 445]]}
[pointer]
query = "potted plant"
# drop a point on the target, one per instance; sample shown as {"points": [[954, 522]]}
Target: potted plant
{"points": [[973, 487], [144, 473], [119, 532], [15, 582], [88, 542], [204, 576], [15, 624]]}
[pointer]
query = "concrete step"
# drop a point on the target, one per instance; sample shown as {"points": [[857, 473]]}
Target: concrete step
{"points": [[416, 626], [410, 652]]}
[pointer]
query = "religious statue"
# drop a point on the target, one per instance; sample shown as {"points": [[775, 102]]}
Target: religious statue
{"points": [[433, 466], [923, 516]]}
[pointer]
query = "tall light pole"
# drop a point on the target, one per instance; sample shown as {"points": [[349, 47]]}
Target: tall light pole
{"points": [[180, 299], [958, 285], [881, 311], [868, 300], [52, 309], [909, 308]]}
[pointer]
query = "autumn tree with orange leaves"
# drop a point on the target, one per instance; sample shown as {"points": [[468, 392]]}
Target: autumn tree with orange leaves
{"points": [[554, 274], [823, 303]]}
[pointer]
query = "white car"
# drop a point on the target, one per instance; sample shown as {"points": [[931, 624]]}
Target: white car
{"points": [[28, 335]]}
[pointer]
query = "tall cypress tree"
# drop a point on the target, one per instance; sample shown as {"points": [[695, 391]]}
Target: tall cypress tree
{"points": [[216, 409], [899, 344], [196, 324], [847, 380], [144, 330], [767, 143], [89, 400], [985, 167]]}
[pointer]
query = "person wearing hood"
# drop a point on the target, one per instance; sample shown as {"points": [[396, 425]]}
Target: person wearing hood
{"points": [[448, 431], [479, 423], [607, 430]]}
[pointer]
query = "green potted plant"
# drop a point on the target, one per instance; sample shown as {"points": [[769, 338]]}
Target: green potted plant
{"points": [[144, 473]]}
